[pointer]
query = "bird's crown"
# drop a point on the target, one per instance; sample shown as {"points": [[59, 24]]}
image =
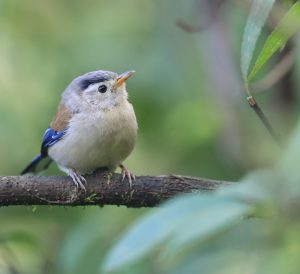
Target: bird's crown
{"points": [[93, 77]]}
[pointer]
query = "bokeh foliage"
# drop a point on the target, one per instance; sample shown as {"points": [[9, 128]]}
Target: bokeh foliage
{"points": [[193, 120]]}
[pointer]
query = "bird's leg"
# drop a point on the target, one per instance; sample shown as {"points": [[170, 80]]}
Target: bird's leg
{"points": [[126, 173], [77, 179]]}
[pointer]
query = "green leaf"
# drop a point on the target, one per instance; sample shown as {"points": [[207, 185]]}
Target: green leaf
{"points": [[213, 218], [259, 12], [251, 189], [239, 245], [169, 221], [285, 29]]}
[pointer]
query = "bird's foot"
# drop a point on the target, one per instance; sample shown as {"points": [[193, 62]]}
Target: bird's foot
{"points": [[78, 180], [127, 174]]}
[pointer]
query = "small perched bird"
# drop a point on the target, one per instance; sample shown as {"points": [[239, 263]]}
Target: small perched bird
{"points": [[94, 127]]}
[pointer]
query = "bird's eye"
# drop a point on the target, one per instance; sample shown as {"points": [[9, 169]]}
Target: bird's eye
{"points": [[102, 88]]}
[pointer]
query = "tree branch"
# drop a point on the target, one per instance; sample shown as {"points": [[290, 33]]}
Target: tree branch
{"points": [[102, 188]]}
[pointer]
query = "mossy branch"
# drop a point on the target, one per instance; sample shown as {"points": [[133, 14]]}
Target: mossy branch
{"points": [[102, 188]]}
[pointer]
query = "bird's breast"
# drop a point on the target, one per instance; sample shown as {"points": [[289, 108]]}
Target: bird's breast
{"points": [[97, 139]]}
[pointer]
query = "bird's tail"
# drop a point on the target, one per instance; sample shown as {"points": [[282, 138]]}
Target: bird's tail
{"points": [[38, 164]]}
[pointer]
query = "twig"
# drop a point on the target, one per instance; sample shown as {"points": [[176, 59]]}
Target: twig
{"points": [[102, 188], [253, 104]]}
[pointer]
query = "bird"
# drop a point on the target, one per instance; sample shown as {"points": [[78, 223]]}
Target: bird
{"points": [[94, 127]]}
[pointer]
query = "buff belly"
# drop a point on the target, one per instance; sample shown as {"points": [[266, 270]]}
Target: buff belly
{"points": [[103, 139]]}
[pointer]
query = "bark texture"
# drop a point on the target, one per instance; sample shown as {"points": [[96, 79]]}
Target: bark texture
{"points": [[102, 188]]}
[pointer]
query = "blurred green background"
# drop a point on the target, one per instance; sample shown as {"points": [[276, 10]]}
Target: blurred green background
{"points": [[193, 118]]}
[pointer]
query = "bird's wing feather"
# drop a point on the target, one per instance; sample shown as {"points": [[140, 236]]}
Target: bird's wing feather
{"points": [[42, 161], [61, 118], [50, 138], [39, 163], [57, 129], [52, 135]]}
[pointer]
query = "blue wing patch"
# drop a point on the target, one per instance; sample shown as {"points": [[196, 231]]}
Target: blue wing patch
{"points": [[42, 161], [50, 138]]}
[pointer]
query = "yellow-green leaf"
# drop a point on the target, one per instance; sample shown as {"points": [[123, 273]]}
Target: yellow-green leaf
{"points": [[259, 12], [286, 28]]}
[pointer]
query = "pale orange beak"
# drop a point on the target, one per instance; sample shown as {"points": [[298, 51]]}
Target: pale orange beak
{"points": [[122, 78]]}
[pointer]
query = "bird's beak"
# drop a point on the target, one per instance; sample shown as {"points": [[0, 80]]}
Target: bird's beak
{"points": [[122, 78]]}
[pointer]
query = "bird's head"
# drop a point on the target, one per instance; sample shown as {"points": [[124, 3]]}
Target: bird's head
{"points": [[100, 89]]}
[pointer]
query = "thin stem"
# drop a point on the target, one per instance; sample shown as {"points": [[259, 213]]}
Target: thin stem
{"points": [[253, 104]]}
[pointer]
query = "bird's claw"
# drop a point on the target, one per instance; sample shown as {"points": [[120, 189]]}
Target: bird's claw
{"points": [[127, 174], [78, 179]]}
